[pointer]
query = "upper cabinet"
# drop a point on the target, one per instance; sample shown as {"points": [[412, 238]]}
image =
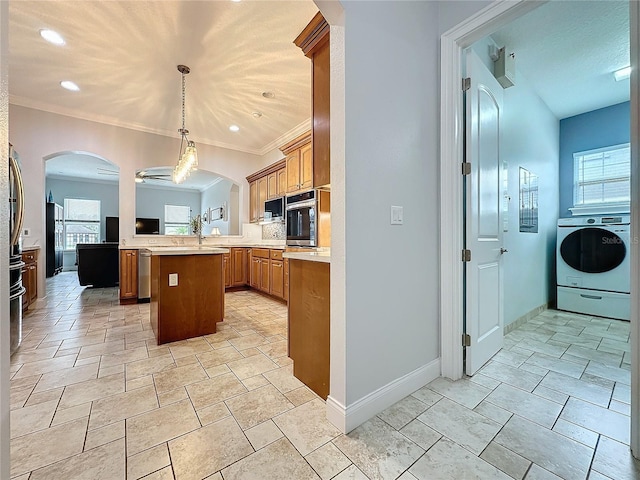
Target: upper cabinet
{"points": [[314, 42], [299, 159], [264, 185]]}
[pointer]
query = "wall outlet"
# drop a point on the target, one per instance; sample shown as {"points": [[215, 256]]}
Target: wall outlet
{"points": [[26, 232], [153, 240], [173, 279]]}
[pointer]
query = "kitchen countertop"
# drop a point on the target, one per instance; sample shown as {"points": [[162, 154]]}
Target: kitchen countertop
{"points": [[31, 248], [321, 256], [186, 250]]}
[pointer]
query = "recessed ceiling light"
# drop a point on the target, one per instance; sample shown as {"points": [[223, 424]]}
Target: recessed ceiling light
{"points": [[256, 114], [268, 95], [234, 128], [52, 37], [69, 85], [622, 74]]}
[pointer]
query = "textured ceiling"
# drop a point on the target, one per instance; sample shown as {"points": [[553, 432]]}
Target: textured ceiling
{"points": [[123, 56], [567, 51]]}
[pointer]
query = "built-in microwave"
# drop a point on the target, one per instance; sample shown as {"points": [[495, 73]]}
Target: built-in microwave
{"points": [[301, 219], [274, 208]]}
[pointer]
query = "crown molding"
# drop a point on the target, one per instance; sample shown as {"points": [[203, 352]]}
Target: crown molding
{"points": [[106, 120]]}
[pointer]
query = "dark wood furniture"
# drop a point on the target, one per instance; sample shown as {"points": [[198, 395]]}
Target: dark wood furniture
{"points": [[54, 226], [309, 323], [192, 307]]}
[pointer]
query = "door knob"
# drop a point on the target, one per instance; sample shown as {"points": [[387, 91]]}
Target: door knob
{"points": [[503, 251]]}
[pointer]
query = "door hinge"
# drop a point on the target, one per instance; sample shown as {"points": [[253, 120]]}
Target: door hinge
{"points": [[466, 168], [466, 255], [466, 340], [466, 84]]}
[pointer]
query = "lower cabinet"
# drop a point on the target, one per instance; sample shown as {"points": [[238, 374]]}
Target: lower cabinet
{"points": [[260, 268], [29, 278], [128, 276], [286, 279]]}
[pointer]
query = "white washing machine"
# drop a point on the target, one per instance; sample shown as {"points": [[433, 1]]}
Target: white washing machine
{"points": [[593, 266]]}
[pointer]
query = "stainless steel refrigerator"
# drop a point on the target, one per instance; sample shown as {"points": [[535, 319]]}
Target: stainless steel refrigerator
{"points": [[16, 290]]}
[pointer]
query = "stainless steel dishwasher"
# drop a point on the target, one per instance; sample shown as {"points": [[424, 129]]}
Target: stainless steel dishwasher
{"points": [[144, 276]]}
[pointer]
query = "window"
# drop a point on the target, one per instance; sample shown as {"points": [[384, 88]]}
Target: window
{"points": [[176, 220], [81, 222], [602, 178]]}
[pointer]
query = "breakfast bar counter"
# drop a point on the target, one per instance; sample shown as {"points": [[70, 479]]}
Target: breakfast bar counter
{"points": [[187, 291]]}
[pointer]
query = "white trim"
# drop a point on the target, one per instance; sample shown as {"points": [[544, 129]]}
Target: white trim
{"points": [[599, 209], [348, 418], [634, 19], [452, 43]]}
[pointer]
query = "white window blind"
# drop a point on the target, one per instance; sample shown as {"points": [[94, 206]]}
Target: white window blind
{"points": [[176, 220], [602, 176], [81, 222]]}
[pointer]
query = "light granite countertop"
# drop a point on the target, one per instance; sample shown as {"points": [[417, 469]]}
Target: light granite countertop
{"points": [[320, 256], [186, 250]]}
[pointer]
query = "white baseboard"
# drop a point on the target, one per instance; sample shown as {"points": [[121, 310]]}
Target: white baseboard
{"points": [[346, 418]]}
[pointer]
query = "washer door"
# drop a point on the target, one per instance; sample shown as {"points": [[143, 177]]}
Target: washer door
{"points": [[593, 250]]}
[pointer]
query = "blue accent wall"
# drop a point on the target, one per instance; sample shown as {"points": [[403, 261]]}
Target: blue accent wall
{"points": [[599, 128]]}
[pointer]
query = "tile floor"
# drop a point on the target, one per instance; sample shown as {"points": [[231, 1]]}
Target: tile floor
{"points": [[94, 398]]}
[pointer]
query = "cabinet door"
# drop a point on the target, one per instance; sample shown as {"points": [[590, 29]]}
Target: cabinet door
{"points": [[282, 181], [128, 274], [253, 201], [285, 293], [226, 265], [25, 284], [256, 272], [238, 266], [272, 185], [293, 171], [277, 278], [265, 275], [306, 167], [248, 264], [262, 196], [32, 292]]}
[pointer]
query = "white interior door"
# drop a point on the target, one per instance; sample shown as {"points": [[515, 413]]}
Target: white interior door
{"points": [[483, 221]]}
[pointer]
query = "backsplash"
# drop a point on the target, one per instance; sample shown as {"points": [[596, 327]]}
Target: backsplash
{"points": [[274, 231]]}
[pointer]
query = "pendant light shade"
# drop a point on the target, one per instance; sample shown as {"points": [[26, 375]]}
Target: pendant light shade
{"points": [[188, 158]]}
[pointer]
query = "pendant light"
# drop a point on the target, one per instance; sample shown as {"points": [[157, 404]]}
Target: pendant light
{"points": [[187, 159]]}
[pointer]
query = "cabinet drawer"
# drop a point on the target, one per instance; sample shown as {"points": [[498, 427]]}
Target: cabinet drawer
{"points": [[260, 252], [276, 254]]}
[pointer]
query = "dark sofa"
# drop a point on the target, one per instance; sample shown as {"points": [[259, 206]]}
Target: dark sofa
{"points": [[98, 264]]}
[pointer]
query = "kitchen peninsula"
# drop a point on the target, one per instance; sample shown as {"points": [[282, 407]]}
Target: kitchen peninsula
{"points": [[187, 291]]}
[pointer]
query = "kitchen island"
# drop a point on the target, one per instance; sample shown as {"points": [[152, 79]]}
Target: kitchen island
{"points": [[187, 291]]}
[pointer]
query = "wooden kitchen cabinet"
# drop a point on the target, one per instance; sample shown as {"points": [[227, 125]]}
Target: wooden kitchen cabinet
{"points": [[253, 201], [309, 323], [268, 183], [238, 267], [128, 276], [276, 270], [285, 286], [29, 278], [314, 42], [226, 266], [299, 158]]}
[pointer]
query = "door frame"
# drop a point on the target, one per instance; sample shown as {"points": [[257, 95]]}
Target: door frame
{"points": [[463, 35]]}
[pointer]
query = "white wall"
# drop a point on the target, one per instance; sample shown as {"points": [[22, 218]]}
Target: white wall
{"points": [[37, 134], [530, 139], [151, 199], [391, 125], [106, 192], [214, 197]]}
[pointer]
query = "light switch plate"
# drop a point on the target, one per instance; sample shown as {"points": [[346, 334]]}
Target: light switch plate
{"points": [[26, 232], [396, 215], [173, 279]]}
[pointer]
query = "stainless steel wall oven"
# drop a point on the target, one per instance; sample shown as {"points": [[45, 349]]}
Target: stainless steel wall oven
{"points": [[301, 218]]}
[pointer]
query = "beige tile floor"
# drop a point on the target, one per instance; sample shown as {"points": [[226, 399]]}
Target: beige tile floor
{"points": [[94, 398]]}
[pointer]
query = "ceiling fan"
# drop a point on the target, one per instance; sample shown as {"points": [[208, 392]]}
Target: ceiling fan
{"points": [[141, 176]]}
